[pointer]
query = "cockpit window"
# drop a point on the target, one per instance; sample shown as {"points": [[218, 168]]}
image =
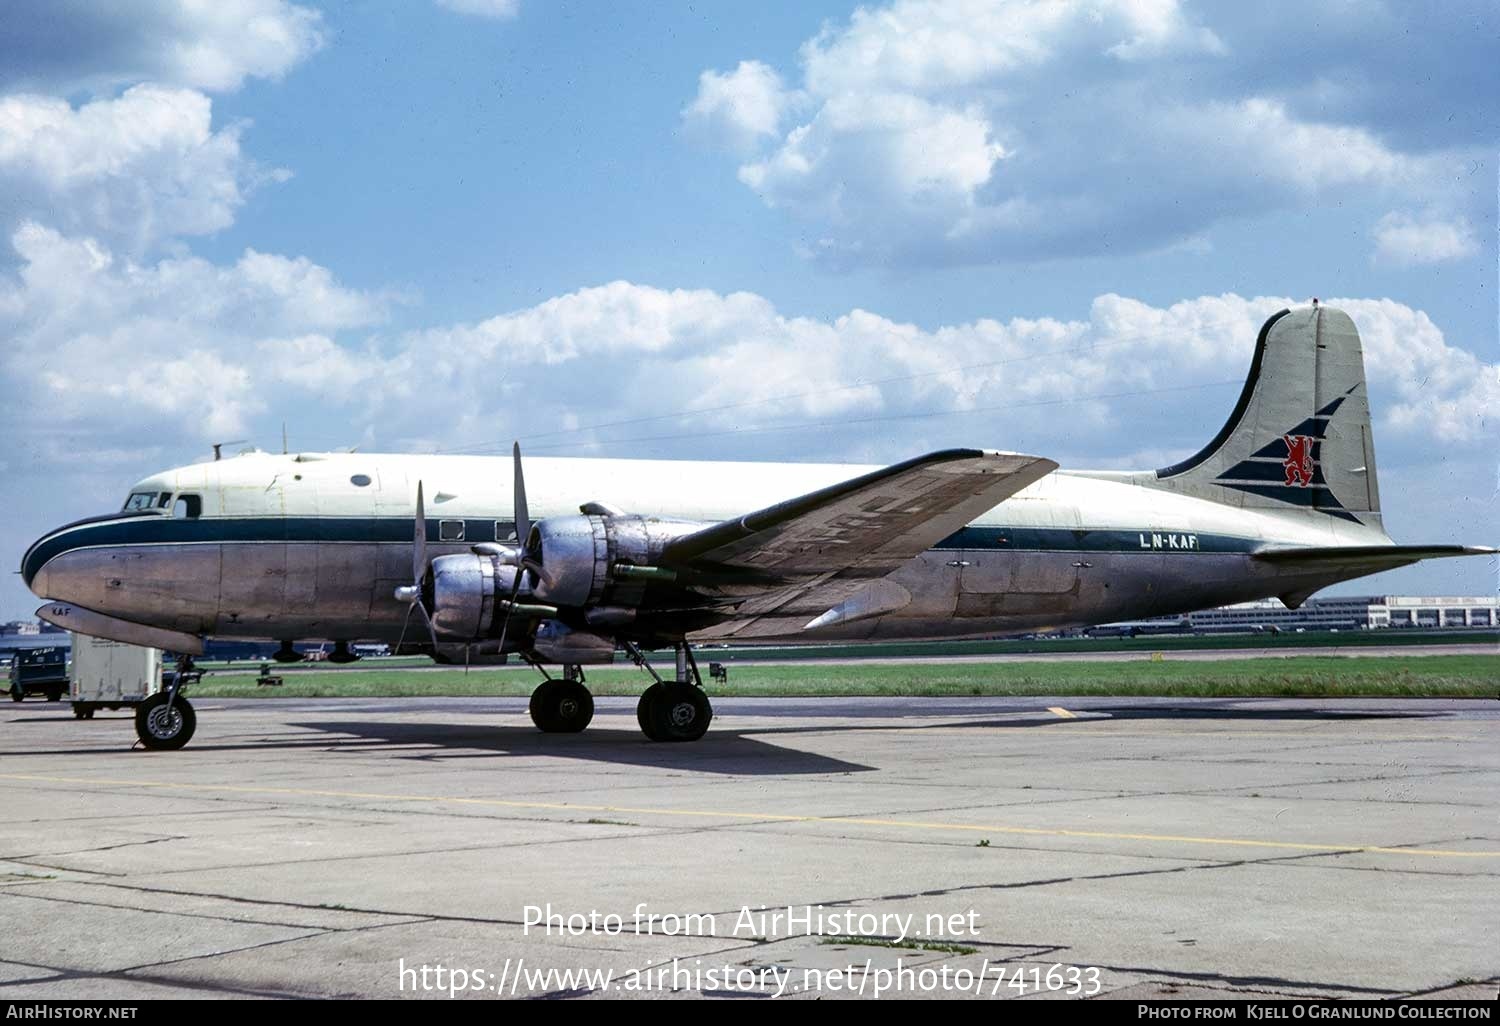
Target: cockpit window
{"points": [[188, 507], [164, 501], [140, 500]]}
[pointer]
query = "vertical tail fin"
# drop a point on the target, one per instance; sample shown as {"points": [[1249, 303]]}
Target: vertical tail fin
{"points": [[1299, 438]]}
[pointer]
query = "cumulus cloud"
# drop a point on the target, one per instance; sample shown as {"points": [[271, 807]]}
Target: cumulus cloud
{"points": [[63, 46], [123, 350], [129, 349], [132, 171], [971, 131], [1404, 240], [483, 8], [759, 381], [741, 372], [737, 108]]}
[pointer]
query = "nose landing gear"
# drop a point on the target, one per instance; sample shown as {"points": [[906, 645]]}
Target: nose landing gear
{"points": [[165, 721]]}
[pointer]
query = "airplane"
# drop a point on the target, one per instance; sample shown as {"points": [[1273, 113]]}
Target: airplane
{"points": [[569, 561]]}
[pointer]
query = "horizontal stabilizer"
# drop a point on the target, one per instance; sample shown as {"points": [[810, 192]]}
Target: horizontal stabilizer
{"points": [[1368, 558]]}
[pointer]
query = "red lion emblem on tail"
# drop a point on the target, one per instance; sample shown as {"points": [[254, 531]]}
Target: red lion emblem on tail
{"points": [[1299, 460]]}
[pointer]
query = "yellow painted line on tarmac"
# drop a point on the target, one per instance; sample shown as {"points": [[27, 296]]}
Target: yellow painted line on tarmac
{"points": [[769, 817], [1057, 710]]}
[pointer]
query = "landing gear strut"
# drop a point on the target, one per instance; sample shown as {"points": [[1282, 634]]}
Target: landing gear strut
{"points": [[165, 721], [562, 706], [676, 710]]}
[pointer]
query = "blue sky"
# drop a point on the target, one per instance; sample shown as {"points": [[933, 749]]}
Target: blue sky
{"points": [[438, 226]]}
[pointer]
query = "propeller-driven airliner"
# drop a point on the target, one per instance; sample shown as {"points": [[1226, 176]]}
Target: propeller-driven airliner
{"points": [[567, 562]]}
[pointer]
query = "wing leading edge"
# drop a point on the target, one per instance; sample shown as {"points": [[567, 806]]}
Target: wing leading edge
{"points": [[819, 550]]}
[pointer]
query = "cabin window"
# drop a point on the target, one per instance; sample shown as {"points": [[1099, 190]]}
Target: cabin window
{"points": [[450, 530], [188, 507], [360, 480], [140, 500], [505, 531]]}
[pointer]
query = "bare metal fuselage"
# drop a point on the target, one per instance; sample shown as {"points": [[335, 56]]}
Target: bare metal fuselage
{"points": [[313, 547]]}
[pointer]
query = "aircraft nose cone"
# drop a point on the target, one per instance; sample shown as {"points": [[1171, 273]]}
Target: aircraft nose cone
{"points": [[75, 577], [37, 581], [34, 569], [60, 567]]}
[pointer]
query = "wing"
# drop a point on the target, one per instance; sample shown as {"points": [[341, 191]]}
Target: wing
{"points": [[823, 548]]}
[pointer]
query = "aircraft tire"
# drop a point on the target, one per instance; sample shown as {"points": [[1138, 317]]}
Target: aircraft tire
{"points": [[678, 712], [561, 707], [643, 710], [160, 730], [16, 694]]}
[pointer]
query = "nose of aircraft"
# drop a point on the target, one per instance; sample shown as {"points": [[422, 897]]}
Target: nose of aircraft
{"points": [[37, 581], [62, 565], [33, 572]]}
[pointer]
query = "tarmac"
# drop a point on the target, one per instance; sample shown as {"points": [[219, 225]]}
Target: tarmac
{"points": [[806, 848]]}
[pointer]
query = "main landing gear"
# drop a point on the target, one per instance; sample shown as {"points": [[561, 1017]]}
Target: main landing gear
{"points": [[165, 721], [675, 710], [562, 706], [670, 710]]}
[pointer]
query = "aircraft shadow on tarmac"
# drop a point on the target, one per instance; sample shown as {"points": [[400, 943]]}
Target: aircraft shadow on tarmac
{"points": [[725, 751], [720, 751]]}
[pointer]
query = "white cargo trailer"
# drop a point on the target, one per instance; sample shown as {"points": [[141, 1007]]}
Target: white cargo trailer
{"points": [[111, 674]]}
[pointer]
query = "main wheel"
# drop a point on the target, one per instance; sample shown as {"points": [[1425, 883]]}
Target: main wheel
{"points": [[561, 707], [164, 729], [16, 694], [678, 712], [643, 710]]}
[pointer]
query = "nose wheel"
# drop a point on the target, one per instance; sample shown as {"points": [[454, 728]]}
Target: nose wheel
{"points": [[164, 725], [165, 721]]}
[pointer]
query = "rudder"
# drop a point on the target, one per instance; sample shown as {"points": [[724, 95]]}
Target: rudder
{"points": [[1299, 438]]}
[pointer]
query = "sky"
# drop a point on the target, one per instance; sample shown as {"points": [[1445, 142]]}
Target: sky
{"points": [[814, 232]]}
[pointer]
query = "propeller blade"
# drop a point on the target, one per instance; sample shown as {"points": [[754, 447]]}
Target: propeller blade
{"points": [[419, 541], [510, 608], [404, 624], [431, 630], [541, 572], [523, 521]]}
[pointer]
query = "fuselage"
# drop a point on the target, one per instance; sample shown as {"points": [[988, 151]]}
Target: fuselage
{"points": [[313, 546]]}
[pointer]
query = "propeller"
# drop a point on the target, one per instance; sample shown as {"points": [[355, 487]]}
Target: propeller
{"points": [[412, 593], [523, 531], [523, 521]]}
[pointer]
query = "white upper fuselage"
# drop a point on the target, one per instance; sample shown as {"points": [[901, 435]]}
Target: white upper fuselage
{"points": [[260, 484]]}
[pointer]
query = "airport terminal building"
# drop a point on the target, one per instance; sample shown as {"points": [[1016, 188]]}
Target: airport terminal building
{"points": [[1342, 613]]}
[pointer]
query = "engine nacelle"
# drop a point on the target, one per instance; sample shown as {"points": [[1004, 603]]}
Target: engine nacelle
{"points": [[559, 643], [578, 554], [467, 592]]}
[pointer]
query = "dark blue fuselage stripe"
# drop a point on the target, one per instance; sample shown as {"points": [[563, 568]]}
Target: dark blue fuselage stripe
{"points": [[1047, 539], [304, 530], [174, 530]]}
